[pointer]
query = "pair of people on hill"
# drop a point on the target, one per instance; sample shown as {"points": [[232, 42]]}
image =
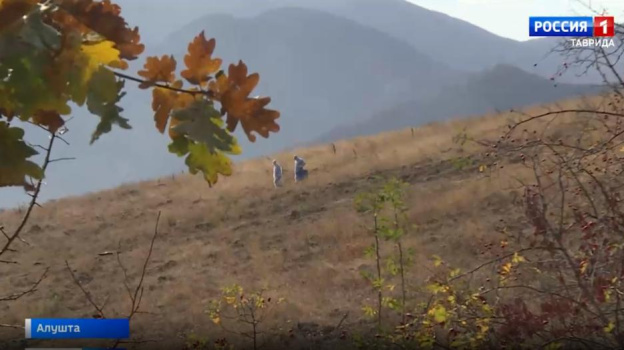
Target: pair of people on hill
{"points": [[300, 172]]}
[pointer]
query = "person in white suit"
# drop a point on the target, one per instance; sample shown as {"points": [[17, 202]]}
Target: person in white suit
{"points": [[277, 174]]}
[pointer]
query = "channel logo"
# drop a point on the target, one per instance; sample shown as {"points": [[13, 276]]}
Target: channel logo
{"points": [[581, 26]]}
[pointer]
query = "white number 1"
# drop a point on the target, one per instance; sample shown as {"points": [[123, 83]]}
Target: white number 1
{"points": [[603, 24]]}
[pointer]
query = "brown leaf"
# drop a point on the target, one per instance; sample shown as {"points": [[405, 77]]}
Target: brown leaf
{"points": [[7, 113], [219, 86], [164, 101], [49, 119], [260, 120], [239, 78], [250, 112], [200, 65], [182, 102], [13, 10], [158, 70], [104, 18]]}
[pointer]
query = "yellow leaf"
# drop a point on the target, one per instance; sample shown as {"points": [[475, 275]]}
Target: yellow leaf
{"points": [[553, 346], [583, 266], [102, 53], [216, 320], [517, 258], [454, 273], [506, 269], [435, 288], [369, 311], [437, 261], [482, 168], [609, 328], [438, 313], [230, 300]]}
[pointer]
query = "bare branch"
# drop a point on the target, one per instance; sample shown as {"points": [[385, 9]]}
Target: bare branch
{"points": [[32, 289], [99, 309], [62, 159], [33, 201]]}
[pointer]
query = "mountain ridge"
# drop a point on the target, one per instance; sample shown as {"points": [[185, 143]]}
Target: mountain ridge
{"points": [[503, 87]]}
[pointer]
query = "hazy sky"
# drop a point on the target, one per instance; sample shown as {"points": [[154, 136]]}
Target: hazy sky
{"points": [[509, 18]]}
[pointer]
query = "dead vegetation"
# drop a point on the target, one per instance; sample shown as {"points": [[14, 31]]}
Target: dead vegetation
{"points": [[303, 242]]}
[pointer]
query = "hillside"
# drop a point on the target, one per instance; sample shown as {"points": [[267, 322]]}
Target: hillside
{"points": [[319, 69], [303, 242], [326, 64], [500, 88]]}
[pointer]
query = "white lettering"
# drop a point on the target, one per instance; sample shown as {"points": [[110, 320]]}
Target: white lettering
{"points": [[556, 25], [604, 24], [583, 27], [547, 27], [538, 25], [58, 329], [574, 26], [604, 43]]}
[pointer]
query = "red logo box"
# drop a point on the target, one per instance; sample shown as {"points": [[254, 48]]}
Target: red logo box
{"points": [[604, 26]]}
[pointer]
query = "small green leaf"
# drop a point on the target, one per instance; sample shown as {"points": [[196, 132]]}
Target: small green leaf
{"points": [[369, 311], [211, 164], [439, 313], [104, 93], [14, 154], [202, 123]]}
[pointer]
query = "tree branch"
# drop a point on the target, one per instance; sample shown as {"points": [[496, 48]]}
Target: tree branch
{"points": [[87, 295], [33, 200], [165, 86], [30, 290]]}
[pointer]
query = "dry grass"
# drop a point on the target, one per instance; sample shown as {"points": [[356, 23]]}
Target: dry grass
{"points": [[303, 242]]}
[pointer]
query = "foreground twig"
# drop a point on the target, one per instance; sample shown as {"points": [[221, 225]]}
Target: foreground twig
{"points": [[99, 309], [137, 295], [33, 200], [30, 290]]}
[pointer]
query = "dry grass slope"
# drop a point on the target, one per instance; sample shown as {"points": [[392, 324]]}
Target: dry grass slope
{"points": [[303, 242]]}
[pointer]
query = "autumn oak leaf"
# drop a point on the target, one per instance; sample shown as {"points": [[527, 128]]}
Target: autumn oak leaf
{"points": [[13, 10], [200, 122], [199, 62], [104, 18], [200, 135], [164, 101], [235, 101], [51, 120], [158, 70]]}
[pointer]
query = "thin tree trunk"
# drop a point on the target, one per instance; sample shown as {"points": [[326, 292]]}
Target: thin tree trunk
{"points": [[378, 258], [402, 282]]}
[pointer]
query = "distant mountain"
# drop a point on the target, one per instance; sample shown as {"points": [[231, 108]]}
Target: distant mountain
{"points": [[501, 88], [320, 69], [456, 43]]}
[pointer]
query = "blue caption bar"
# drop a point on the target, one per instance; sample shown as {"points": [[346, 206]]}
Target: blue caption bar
{"points": [[561, 26], [77, 328]]}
